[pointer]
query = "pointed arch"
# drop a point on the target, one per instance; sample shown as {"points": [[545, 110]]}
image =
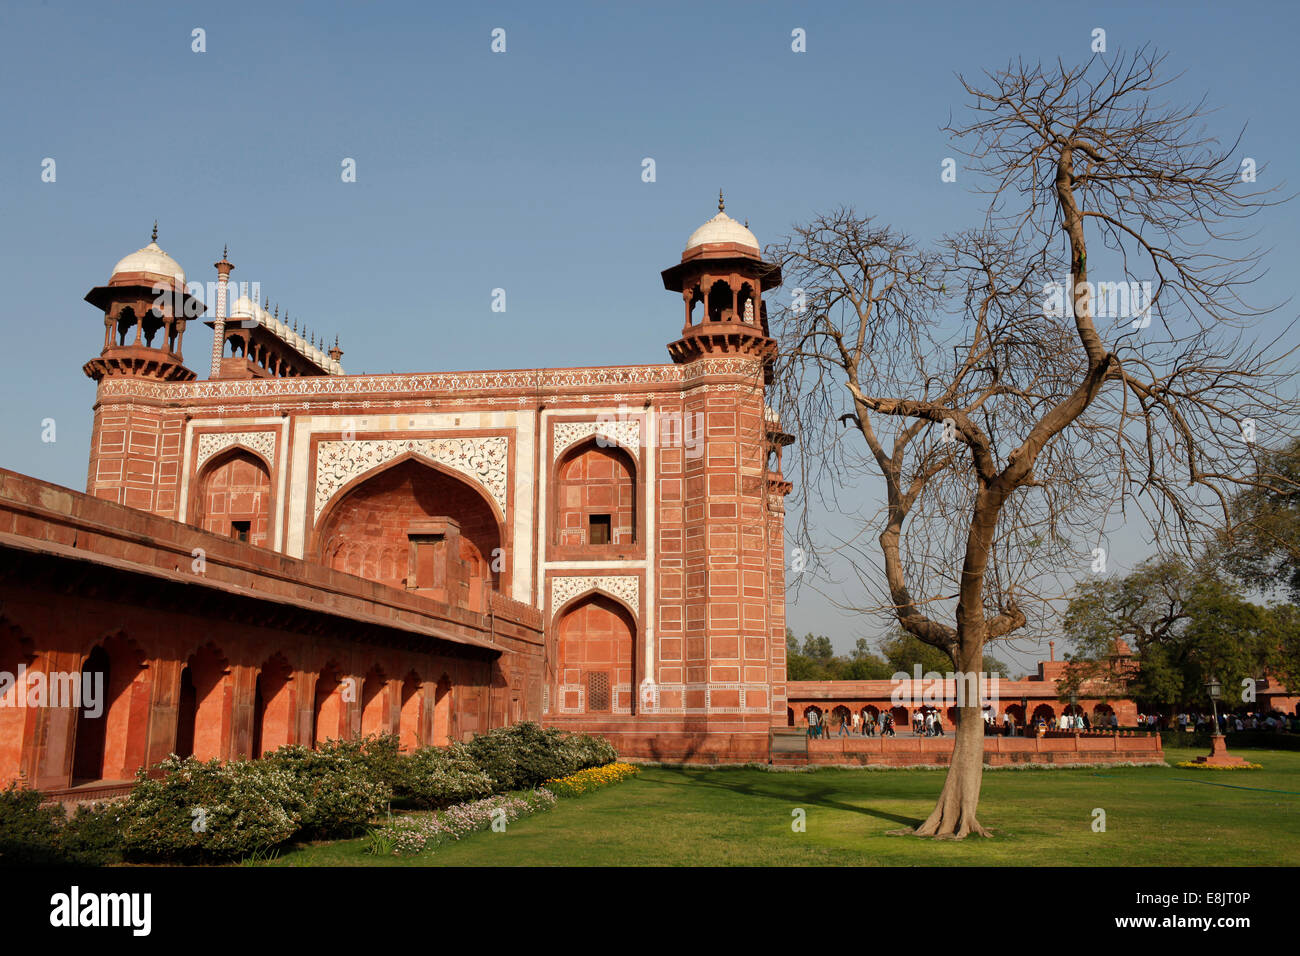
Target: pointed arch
{"points": [[328, 711], [273, 706], [410, 722], [596, 653], [375, 712], [204, 711], [408, 456], [365, 529], [596, 502], [109, 736], [442, 711]]}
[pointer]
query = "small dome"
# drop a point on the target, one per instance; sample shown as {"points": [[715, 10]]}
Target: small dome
{"points": [[243, 308], [152, 260], [722, 228]]}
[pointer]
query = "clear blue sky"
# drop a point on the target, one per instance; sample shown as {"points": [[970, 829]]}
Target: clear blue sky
{"points": [[519, 170]]}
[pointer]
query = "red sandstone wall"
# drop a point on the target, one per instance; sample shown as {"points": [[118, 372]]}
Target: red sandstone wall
{"points": [[135, 456], [998, 751], [85, 573], [714, 550]]}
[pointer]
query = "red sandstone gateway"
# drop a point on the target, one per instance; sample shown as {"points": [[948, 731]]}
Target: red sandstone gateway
{"points": [[284, 553]]}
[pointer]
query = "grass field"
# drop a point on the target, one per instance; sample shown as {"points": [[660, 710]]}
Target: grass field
{"points": [[1155, 816]]}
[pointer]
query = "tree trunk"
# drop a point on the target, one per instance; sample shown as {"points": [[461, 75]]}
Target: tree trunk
{"points": [[954, 815]]}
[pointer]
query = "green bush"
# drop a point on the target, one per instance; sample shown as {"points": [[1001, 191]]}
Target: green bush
{"points": [[526, 755], [198, 810], [583, 752], [92, 836], [334, 789], [29, 833], [435, 777]]}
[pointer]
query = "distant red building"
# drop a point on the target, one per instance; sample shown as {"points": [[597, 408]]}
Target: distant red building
{"points": [[1037, 697]]}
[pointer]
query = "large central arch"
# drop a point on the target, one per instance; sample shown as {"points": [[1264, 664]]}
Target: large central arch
{"points": [[368, 528]]}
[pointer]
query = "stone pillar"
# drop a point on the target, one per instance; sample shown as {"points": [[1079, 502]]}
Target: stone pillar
{"points": [[219, 319]]}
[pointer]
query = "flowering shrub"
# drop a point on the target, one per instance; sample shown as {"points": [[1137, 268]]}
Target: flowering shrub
{"points": [[526, 754], [415, 832], [200, 810], [584, 781], [1193, 765], [436, 777], [192, 811], [335, 789]]}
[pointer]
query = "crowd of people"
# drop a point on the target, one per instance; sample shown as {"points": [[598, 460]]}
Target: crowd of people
{"points": [[1274, 721], [928, 722], [925, 723]]}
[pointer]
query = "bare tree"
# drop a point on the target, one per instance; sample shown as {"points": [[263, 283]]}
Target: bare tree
{"points": [[1010, 420]]}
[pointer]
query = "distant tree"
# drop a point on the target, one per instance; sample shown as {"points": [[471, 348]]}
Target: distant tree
{"points": [[1184, 624], [817, 647], [814, 659], [1262, 545], [903, 651], [1286, 665], [994, 666]]}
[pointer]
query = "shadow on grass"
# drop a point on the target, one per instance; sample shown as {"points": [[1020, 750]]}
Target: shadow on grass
{"points": [[820, 797]]}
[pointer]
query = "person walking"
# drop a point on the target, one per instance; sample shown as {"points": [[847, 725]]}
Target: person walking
{"points": [[938, 724]]}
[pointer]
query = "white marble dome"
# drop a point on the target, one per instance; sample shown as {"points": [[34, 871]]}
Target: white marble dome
{"points": [[154, 261], [243, 308], [722, 228]]}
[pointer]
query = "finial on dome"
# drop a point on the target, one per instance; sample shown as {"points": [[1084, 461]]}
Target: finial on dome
{"points": [[266, 303], [277, 310], [225, 251], [721, 205], [155, 231]]}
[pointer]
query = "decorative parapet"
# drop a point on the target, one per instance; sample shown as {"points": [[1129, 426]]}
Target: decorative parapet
{"points": [[515, 382]]}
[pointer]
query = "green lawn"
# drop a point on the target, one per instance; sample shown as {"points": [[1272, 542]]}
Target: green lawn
{"points": [[1155, 816]]}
